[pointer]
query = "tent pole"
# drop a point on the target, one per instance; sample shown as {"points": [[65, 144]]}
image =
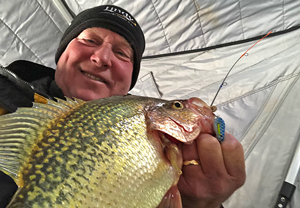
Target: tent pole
{"points": [[63, 10], [287, 189]]}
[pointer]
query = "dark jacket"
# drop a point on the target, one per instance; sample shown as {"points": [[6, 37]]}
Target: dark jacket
{"points": [[20, 83]]}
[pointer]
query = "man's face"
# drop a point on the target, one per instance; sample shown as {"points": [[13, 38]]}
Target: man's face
{"points": [[96, 64]]}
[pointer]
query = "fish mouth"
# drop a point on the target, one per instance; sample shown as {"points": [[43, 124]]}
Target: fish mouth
{"points": [[171, 152], [185, 134], [171, 138], [93, 77], [199, 107]]}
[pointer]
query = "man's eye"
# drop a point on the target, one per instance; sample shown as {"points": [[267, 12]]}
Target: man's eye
{"points": [[90, 41], [121, 53]]}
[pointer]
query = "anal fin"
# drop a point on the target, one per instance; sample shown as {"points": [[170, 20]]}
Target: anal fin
{"points": [[172, 199]]}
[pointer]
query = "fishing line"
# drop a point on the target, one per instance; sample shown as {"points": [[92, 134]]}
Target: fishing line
{"points": [[244, 54]]}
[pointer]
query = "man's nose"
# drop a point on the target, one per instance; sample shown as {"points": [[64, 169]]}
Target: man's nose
{"points": [[102, 56]]}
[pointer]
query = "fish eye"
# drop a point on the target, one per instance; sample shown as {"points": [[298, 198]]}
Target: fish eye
{"points": [[177, 105]]}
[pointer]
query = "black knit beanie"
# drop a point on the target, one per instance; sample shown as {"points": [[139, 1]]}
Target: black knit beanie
{"points": [[112, 18]]}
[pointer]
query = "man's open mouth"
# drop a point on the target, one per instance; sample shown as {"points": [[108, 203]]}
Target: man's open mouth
{"points": [[93, 77]]}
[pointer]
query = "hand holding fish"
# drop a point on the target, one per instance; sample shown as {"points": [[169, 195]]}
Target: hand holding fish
{"points": [[220, 172]]}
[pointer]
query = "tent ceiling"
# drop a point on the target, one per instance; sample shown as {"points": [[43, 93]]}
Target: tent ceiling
{"points": [[190, 46]]}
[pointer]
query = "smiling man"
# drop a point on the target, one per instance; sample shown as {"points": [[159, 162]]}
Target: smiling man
{"points": [[99, 56], [99, 61], [101, 52]]}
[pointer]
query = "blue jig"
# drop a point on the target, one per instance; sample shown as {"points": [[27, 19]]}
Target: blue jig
{"points": [[219, 127]]}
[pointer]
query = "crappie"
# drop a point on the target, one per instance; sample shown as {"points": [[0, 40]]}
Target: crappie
{"points": [[111, 152]]}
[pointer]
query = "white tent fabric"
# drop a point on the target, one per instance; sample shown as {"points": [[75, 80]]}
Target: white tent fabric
{"points": [[190, 47]]}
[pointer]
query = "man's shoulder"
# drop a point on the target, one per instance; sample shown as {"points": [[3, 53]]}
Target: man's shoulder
{"points": [[30, 71], [20, 80]]}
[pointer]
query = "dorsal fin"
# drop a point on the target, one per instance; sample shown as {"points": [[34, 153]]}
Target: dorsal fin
{"points": [[20, 131]]}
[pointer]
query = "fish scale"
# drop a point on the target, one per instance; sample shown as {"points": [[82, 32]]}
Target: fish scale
{"points": [[102, 153]]}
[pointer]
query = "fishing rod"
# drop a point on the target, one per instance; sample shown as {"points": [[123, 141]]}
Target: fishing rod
{"points": [[219, 123], [244, 54]]}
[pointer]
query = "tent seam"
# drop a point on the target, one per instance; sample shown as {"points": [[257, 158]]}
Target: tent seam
{"points": [[283, 15], [247, 149], [16, 35], [241, 19], [165, 36], [197, 11], [283, 78], [290, 76], [224, 44], [269, 118], [78, 5], [161, 72], [49, 16]]}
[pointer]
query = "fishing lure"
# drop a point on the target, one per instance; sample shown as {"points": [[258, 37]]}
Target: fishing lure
{"points": [[219, 124], [219, 127]]}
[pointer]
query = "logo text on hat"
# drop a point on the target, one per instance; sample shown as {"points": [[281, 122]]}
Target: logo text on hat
{"points": [[120, 12]]}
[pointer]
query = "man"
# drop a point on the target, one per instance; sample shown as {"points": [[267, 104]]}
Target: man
{"points": [[99, 56]]}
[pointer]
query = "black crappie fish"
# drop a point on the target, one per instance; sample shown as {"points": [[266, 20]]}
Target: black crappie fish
{"points": [[111, 152]]}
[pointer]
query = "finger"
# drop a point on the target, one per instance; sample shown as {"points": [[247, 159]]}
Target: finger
{"points": [[189, 151], [210, 155], [233, 156]]}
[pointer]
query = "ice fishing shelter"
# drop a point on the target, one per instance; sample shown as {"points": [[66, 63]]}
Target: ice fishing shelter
{"points": [[190, 46]]}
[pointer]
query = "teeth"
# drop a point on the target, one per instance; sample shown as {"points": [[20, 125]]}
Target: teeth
{"points": [[93, 77]]}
